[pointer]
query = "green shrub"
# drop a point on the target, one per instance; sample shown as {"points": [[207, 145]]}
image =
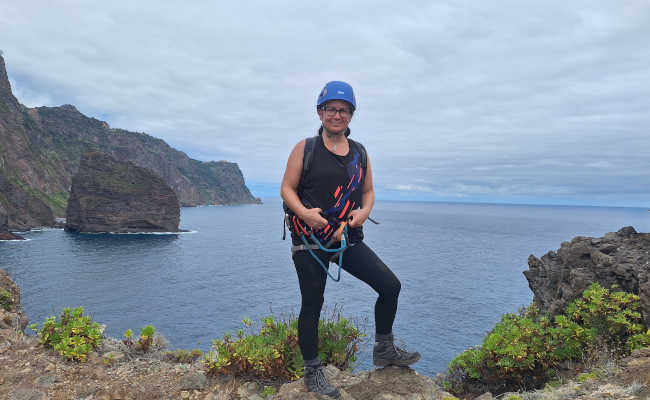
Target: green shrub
{"points": [[268, 391], [517, 352], [73, 335], [523, 350], [274, 351], [587, 376], [638, 341], [184, 356], [6, 300], [610, 316], [144, 341]]}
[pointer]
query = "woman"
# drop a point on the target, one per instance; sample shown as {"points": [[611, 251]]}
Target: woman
{"points": [[336, 190]]}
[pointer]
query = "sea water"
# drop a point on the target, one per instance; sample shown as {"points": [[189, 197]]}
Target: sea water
{"points": [[460, 266]]}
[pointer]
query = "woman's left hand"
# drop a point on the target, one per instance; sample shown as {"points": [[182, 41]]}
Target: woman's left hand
{"points": [[357, 218]]}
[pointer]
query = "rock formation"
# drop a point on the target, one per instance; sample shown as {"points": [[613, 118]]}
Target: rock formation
{"points": [[621, 258], [384, 383], [12, 316], [40, 150], [113, 196]]}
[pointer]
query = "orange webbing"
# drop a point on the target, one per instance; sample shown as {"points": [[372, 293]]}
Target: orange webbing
{"points": [[339, 231]]}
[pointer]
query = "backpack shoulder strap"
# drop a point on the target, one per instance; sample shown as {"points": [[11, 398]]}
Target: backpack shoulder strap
{"points": [[362, 153], [310, 144]]}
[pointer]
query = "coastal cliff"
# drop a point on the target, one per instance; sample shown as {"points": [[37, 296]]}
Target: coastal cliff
{"points": [[40, 150], [4, 227]]}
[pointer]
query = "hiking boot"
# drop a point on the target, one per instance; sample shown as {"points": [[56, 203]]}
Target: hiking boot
{"points": [[387, 353], [316, 381]]}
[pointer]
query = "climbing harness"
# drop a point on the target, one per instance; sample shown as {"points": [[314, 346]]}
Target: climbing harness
{"points": [[337, 235]]}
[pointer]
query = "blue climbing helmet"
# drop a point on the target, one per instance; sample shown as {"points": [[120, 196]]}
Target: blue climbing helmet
{"points": [[337, 90]]}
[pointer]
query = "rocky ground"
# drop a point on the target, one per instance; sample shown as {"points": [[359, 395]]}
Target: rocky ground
{"points": [[29, 371]]}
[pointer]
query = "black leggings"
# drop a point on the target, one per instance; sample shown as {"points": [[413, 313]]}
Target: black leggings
{"points": [[361, 262]]}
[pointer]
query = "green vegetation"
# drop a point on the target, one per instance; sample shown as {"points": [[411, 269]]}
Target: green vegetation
{"points": [[6, 300], [268, 391], [184, 356], [587, 376], [73, 335], [109, 358], [273, 352], [524, 350], [638, 341], [57, 201], [144, 341]]}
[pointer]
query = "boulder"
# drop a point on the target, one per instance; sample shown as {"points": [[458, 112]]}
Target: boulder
{"points": [[620, 258], [117, 196], [393, 383]]}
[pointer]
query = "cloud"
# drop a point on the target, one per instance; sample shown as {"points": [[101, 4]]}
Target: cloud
{"points": [[470, 100], [410, 188]]}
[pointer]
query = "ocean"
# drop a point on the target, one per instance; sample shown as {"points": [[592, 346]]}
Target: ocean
{"points": [[460, 266]]}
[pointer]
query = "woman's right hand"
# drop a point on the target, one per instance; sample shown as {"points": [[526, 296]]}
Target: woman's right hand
{"points": [[313, 219]]}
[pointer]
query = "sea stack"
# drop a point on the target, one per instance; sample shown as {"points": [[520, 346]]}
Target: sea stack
{"points": [[117, 196]]}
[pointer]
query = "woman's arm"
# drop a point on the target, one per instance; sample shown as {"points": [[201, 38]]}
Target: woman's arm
{"points": [[289, 189]]}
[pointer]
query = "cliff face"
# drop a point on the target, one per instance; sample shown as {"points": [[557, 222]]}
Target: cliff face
{"points": [[4, 227], [40, 149], [113, 196]]}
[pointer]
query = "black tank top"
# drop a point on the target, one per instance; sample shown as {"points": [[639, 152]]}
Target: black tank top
{"points": [[334, 184]]}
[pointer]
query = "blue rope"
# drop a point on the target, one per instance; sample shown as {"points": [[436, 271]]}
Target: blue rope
{"points": [[340, 250]]}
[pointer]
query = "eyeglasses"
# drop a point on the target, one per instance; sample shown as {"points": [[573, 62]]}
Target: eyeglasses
{"points": [[331, 111]]}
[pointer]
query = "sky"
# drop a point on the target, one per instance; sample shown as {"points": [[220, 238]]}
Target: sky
{"points": [[535, 102]]}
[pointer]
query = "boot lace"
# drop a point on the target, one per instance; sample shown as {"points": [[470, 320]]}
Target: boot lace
{"points": [[317, 381], [402, 354]]}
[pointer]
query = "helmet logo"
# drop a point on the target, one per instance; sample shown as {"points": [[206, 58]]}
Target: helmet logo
{"points": [[340, 92]]}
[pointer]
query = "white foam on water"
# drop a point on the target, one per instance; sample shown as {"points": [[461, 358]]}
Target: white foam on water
{"points": [[137, 233], [17, 240], [42, 229]]}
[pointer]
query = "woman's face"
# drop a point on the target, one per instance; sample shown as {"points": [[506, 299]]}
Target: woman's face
{"points": [[332, 118]]}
